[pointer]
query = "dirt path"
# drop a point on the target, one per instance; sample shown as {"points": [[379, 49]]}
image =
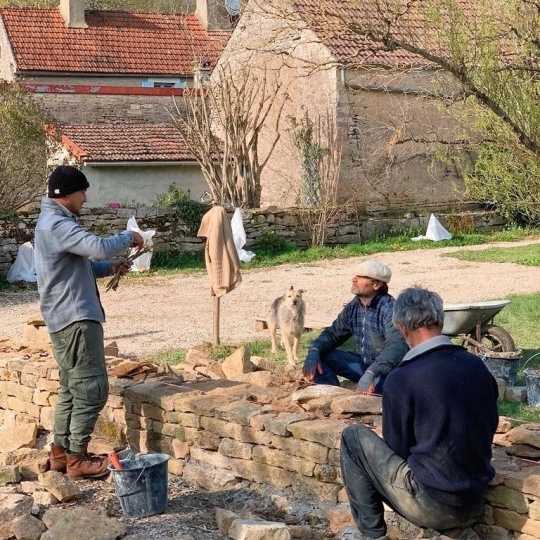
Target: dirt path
{"points": [[146, 315]]}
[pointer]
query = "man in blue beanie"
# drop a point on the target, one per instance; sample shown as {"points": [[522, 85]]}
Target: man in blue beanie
{"points": [[67, 266]]}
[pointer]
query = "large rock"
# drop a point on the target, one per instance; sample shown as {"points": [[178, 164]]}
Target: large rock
{"points": [[224, 519], [30, 461], [59, 485], [9, 475], [22, 435], [14, 505], [27, 528], [318, 391], [85, 524], [237, 364], [528, 434], [357, 404], [247, 529]]}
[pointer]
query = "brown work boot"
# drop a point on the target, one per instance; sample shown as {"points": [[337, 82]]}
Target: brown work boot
{"points": [[57, 459], [86, 465]]}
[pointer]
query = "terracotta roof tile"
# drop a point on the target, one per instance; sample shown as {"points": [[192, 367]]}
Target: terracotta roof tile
{"points": [[121, 142], [114, 42], [333, 22]]}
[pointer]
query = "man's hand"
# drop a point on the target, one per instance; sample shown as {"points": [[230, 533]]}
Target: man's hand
{"points": [[312, 365], [366, 384], [121, 265], [137, 241]]}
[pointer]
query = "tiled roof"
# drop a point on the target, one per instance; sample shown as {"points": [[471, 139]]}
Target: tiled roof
{"points": [[114, 42], [338, 24], [121, 142]]}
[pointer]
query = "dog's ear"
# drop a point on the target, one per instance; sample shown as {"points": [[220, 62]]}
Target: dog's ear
{"points": [[302, 291], [292, 288]]}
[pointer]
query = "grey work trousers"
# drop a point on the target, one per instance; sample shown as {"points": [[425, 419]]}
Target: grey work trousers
{"points": [[84, 385], [373, 474]]}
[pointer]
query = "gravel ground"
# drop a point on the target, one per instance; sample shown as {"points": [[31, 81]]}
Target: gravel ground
{"points": [[191, 512], [148, 314]]}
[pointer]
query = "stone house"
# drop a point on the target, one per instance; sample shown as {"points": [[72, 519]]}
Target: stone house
{"points": [[380, 105], [108, 79]]}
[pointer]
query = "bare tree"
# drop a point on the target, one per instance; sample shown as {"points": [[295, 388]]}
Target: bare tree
{"points": [[318, 148], [222, 124]]}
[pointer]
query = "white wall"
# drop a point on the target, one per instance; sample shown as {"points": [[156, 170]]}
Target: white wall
{"points": [[140, 184]]}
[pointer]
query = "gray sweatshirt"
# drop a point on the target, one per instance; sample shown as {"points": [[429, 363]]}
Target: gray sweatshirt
{"points": [[66, 258]]}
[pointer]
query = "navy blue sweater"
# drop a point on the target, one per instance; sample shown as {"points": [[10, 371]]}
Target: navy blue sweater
{"points": [[440, 415]]}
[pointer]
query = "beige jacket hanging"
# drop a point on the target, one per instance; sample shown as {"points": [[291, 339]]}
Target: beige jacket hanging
{"points": [[222, 262]]}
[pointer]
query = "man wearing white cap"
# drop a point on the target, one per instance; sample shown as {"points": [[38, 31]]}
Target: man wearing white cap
{"points": [[368, 318]]}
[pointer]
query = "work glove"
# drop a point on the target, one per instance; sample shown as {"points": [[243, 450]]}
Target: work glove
{"points": [[366, 384], [312, 364]]}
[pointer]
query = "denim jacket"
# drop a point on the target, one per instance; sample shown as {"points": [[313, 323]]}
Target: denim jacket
{"points": [[378, 341], [66, 258]]}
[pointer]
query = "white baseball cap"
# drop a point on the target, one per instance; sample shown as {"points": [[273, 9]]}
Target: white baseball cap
{"points": [[374, 270]]}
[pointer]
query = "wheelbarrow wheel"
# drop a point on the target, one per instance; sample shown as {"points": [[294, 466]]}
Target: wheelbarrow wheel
{"points": [[496, 339]]}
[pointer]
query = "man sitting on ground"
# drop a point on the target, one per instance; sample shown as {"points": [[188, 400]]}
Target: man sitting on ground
{"points": [[368, 317], [439, 418]]}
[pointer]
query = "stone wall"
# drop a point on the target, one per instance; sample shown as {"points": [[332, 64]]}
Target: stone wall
{"points": [[174, 236], [221, 432]]}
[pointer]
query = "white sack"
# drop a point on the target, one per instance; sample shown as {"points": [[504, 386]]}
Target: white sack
{"points": [[142, 263], [24, 268], [435, 231], [239, 236]]}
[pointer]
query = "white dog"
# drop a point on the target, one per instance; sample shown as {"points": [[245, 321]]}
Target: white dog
{"points": [[288, 313]]}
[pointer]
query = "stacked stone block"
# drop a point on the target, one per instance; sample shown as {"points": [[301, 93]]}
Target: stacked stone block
{"points": [[220, 433]]}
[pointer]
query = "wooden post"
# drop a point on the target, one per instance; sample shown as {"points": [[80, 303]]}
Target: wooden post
{"points": [[215, 310]]}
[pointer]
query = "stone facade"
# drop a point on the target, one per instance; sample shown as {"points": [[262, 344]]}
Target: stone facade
{"points": [[220, 433], [87, 108], [386, 122], [174, 236]]}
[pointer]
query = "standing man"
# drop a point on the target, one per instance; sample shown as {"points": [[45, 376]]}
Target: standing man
{"points": [[439, 418], [368, 317], [66, 265]]}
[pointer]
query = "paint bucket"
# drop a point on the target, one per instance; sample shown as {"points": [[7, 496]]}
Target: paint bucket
{"points": [[532, 381], [503, 365], [141, 484]]}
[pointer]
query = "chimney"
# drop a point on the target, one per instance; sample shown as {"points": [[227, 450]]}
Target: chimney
{"points": [[201, 74], [213, 14], [73, 13]]}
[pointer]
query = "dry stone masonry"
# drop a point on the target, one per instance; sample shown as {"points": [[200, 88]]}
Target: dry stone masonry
{"points": [[223, 432], [174, 236]]}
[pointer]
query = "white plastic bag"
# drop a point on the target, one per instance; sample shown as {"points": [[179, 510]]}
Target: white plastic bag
{"points": [[142, 263], [435, 231], [24, 268], [239, 236]]}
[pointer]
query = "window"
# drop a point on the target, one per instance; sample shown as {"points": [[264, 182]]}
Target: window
{"points": [[163, 83]]}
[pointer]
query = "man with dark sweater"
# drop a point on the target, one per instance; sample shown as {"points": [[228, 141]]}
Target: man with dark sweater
{"points": [[439, 418]]}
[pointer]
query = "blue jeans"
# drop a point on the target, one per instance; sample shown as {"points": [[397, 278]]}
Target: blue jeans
{"points": [[373, 473], [348, 364]]}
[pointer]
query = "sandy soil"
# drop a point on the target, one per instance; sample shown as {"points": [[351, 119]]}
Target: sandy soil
{"points": [[149, 314]]}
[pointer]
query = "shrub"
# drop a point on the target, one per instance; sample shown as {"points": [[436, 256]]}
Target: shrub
{"points": [[189, 211], [270, 243]]}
